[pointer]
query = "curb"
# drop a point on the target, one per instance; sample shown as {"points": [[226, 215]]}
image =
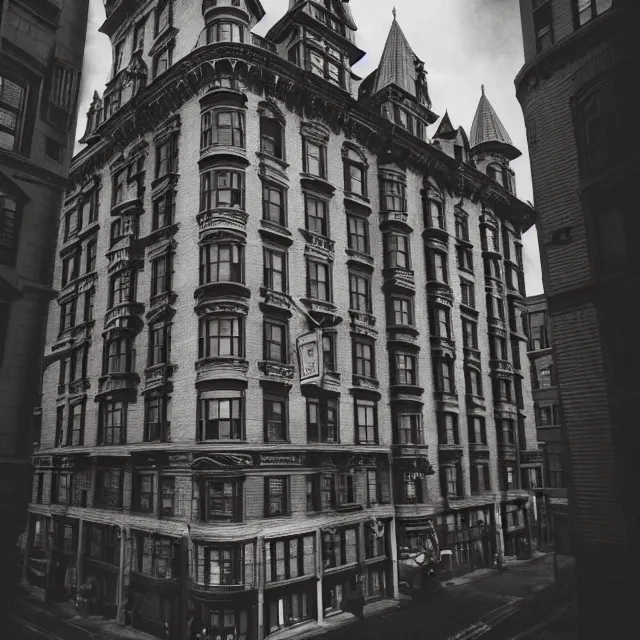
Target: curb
{"points": [[529, 633]]}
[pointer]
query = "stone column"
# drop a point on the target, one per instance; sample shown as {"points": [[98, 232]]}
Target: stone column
{"points": [[499, 535], [80, 556], [184, 588], [27, 547], [393, 552], [49, 567], [260, 580], [319, 606], [528, 521], [121, 586]]}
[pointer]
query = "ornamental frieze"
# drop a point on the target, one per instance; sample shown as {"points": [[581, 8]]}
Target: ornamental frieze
{"points": [[221, 219], [222, 307], [281, 459], [284, 372], [363, 382], [215, 462], [221, 368]]}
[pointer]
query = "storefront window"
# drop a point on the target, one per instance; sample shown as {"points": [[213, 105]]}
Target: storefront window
{"points": [[290, 609]]}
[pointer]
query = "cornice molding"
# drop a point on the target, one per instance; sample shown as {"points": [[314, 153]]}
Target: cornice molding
{"points": [[268, 74]]}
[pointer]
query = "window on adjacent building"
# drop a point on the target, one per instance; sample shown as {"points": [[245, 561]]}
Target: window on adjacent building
{"points": [[322, 420], [315, 159], [355, 172], [221, 418], [274, 204], [318, 281], [13, 98], [220, 337], [138, 36], [554, 466], [113, 422], [587, 10], [358, 234], [222, 128], [543, 24], [276, 497], [221, 263], [397, 254], [275, 419], [275, 270], [221, 188], [366, 414], [9, 225]]}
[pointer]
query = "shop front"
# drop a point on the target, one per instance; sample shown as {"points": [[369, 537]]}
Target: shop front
{"points": [[288, 605], [231, 615], [339, 587], [517, 540], [64, 547], [101, 569], [418, 554], [37, 558]]}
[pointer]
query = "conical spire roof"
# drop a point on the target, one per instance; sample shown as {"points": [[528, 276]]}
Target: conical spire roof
{"points": [[397, 65], [487, 126]]}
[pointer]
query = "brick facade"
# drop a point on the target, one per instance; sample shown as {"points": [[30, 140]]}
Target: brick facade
{"points": [[333, 503]]}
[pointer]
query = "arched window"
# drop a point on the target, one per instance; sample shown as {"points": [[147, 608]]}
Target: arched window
{"points": [[355, 172]]}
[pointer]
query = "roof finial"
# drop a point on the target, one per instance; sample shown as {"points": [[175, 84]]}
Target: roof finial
{"points": [[482, 87], [394, 12]]}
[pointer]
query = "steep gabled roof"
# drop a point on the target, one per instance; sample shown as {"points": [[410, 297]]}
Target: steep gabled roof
{"points": [[398, 62], [487, 129], [445, 128]]}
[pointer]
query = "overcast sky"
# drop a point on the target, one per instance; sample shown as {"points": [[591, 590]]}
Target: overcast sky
{"points": [[464, 43]]}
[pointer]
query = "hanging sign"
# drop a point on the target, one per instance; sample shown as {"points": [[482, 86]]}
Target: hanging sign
{"points": [[310, 357]]}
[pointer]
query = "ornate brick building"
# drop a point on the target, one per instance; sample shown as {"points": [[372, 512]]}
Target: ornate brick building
{"points": [[577, 94], [41, 52], [288, 344]]}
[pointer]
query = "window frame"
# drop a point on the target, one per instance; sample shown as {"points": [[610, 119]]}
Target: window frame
{"points": [[356, 241], [361, 403], [327, 429], [209, 343], [314, 283], [269, 271], [269, 188], [236, 405], [282, 424], [271, 510]]}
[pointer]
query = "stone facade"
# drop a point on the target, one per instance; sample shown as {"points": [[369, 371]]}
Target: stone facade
{"points": [[41, 53], [261, 371], [580, 61]]}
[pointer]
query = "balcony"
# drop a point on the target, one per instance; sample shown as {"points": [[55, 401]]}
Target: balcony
{"points": [[322, 311], [497, 323], [221, 369], [127, 313], [450, 452], [479, 450], [403, 334], [318, 246], [213, 291], [157, 377], [118, 382], [405, 451], [472, 356], [263, 43], [277, 371], [127, 207], [197, 587], [501, 365], [275, 301], [435, 237], [363, 382], [440, 292], [395, 219], [531, 457], [359, 259], [222, 219], [363, 323], [475, 403]]}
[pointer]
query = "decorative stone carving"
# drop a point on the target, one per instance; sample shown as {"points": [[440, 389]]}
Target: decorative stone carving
{"points": [[233, 219], [215, 462]]}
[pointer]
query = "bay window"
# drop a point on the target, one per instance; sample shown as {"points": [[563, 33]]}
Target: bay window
{"points": [[397, 251], [224, 31], [220, 418], [221, 263], [393, 195], [402, 311], [155, 555], [289, 558], [113, 422], [219, 565], [404, 369], [220, 337], [221, 188], [408, 428], [340, 548], [222, 128]]}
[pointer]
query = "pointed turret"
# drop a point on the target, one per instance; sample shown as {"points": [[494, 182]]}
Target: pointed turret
{"points": [[488, 133], [445, 128], [452, 140], [400, 68]]}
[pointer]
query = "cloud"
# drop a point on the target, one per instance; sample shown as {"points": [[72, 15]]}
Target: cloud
{"points": [[464, 43]]}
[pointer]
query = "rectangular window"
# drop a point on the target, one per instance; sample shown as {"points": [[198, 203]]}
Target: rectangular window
{"points": [[67, 315], [276, 497], [346, 491], [113, 419], [322, 420], [404, 369], [62, 488], [222, 501], [273, 204], [315, 159], [434, 215], [220, 337], [393, 196], [161, 273], [339, 548], [275, 341], [445, 382], [360, 292], [462, 228], [109, 486], [402, 310], [587, 10], [163, 16], [271, 135], [449, 428], [477, 430], [164, 211], [221, 419], [469, 334], [143, 492], [409, 428], [75, 430], [538, 331], [358, 234], [159, 343], [437, 267], [318, 281], [274, 271], [329, 352], [9, 225], [366, 414], [440, 321], [167, 497], [275, 420], [364, 360], [354, 173], [13, 98], [222, 128], [468, 296], [543, 25], [138, 36], [221, 263], [167, 157], [473, 380], [373, 487], [221, 188], [465, 259], [155, 421], [451, 481], [316, 215], [397, 251], [63, 93]]}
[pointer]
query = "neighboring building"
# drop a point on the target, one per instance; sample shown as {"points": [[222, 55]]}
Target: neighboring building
{"points": [[288, 343], [577, 91], [552, 504], [41, 52]]}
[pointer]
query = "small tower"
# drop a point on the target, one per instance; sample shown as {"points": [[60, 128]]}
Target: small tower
{"points": [[491, 146], [453, 141], [94, 118], [230, 20], [398, 87], [319, 39]]}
